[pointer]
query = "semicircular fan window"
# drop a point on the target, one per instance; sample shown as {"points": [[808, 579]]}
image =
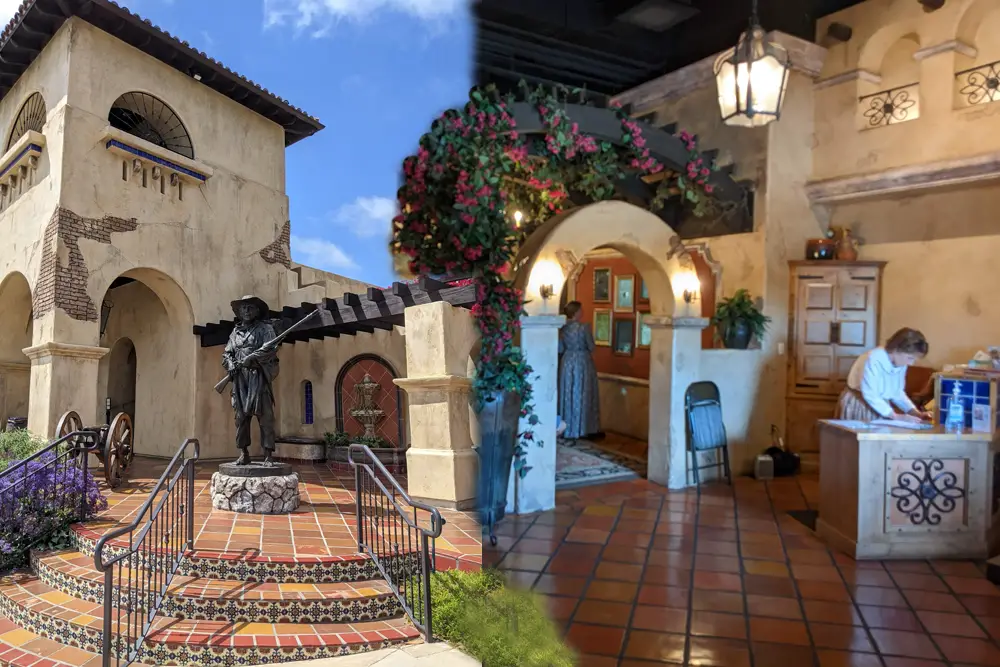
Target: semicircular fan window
{"points": [[31, 117], [146, 117]]}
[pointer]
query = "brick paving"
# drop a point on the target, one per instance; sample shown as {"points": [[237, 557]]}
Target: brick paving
{"points": [[638, 576]]}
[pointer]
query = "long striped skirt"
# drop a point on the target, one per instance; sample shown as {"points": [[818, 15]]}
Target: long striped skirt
{"points": [[852, 407]]}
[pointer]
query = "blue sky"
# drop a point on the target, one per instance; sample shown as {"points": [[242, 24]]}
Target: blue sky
{"points": [[375, 72]]}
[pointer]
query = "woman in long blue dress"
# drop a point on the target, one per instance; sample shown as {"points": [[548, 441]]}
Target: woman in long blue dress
{"points": [[579, 401]]}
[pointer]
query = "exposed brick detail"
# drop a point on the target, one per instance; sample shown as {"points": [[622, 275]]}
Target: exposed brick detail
{"points": [[65, 286], [280, 250]]}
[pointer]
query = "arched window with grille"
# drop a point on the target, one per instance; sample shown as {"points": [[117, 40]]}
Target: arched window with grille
{"points": [[147, 117], [31, 117], [307, 402]]}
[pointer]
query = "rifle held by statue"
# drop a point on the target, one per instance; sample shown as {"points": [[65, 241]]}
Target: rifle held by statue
{"points": [[269, 346]]}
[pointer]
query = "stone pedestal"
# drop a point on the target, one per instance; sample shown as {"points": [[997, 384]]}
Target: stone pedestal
{"points": [[255, 489]]}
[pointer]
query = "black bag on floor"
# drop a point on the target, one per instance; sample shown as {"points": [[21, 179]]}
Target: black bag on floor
{"points": [[785, 463]]}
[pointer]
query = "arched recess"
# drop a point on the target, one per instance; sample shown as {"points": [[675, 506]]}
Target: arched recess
{"points": [[972, 25], [147, 117], [15, 335], [872, 54], [389, 398], [152, 310], [122, 375], [30, 118], [656, 252]]}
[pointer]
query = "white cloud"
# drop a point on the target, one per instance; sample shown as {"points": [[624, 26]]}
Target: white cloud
{"points": [[321, 254], [320, 14], [7, 10], [367, 216]]}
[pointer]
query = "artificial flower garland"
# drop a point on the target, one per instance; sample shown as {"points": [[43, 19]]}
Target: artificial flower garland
{"points": [[472, 170]]}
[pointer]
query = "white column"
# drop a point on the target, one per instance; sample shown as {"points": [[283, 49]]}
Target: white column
{"points": [[540, 344], [674, 360], [63, 378]]}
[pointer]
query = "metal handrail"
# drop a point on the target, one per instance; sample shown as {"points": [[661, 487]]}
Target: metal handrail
{"points": [[158, 569], [85, 434], [393, 564]]}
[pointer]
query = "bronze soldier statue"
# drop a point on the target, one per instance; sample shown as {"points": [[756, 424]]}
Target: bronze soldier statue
{"points": [[251, 360]]}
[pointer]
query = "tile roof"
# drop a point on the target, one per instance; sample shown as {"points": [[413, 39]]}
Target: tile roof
{"points": [[47, 17]]}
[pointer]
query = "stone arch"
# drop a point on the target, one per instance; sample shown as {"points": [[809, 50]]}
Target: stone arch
{"points": [[15, 335], [657, 253], [971, 18], [30, 117], [153, 311], [392, 428], [150, 118]]}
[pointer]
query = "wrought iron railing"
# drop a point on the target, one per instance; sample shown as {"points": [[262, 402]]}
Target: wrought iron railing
{"points": [[890, 107], [979, 85], [392, 534], [137, 576], [44, 492]]}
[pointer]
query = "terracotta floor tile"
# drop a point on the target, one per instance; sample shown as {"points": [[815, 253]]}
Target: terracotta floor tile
{"points": [[840, 613], [587, 535], [759, 584], [867, 577], [780, 655], [560, 585], [880, 597], [657, 646], [777, 631], [600, 612], [904, 644], [560, 608], [841, 637], [717, 581], [761, 605], [929, 601], [942, 623], [717, 601], [969, 651], [597, 661], [619, 571], [660, 619], [823, 590], [663, 596], [829, 658], [713, 624], [889, 618], [919, 582], [619, 554], [712, 652], [766, 567], [911, 662], [981, 605], [612, 591], [595, 639]]}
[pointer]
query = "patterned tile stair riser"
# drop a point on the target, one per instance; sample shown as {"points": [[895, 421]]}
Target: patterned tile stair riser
{"points": [[173, 642], [249, 567], [202, 599]]}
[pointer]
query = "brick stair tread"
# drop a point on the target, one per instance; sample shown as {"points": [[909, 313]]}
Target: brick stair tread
{"points": [[22, 648], [79, 566], [31, 595]]}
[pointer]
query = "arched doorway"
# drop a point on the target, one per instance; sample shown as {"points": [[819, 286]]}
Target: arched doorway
{"points": [[391, 428], [15, 335], [549, 256], [146, 320], [122, 373]]}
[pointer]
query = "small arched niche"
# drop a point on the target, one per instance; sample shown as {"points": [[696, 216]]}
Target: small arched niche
{"points": [[30, 118], [895, 97], [977, 76], [149, 118]]}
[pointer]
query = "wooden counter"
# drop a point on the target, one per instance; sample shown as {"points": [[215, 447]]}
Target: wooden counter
{"points": [[897, 493]]}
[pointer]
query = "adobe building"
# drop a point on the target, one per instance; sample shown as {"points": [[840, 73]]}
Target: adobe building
{"points": [[136, 202]]}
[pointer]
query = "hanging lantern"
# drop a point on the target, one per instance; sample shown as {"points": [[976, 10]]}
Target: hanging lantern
{"points": [[751, 78]]}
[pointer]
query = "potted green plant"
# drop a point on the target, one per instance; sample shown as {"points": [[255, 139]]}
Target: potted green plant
{"points": [[738, 321]]}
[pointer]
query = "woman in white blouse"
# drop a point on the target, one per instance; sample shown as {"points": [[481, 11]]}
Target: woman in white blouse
{"points": [[876, 385]]}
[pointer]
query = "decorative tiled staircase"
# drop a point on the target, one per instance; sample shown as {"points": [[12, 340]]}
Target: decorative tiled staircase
{"points": [[220, 609]]}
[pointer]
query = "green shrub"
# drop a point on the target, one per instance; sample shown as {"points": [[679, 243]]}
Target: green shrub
{"points": [[18, 445], [497, 625]]}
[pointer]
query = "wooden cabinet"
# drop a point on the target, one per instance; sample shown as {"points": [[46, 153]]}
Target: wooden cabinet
{"points": [[833, 319]]}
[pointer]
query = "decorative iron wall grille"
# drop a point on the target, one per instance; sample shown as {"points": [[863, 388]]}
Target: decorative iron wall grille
{"points": [[979, 85], [146, 117], [31, 118], [890, 107]]}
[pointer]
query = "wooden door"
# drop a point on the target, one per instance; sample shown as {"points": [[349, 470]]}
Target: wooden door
{"points": [[816, 313]]}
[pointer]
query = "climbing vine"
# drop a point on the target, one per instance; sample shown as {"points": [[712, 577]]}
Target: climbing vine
{"points": [[476, 188]]}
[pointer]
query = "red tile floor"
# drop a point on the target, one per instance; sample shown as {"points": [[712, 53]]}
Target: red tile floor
{"points": [[639, 576]]}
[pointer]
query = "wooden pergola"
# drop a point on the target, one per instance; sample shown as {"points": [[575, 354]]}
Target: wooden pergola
{"points": [[350, 314]]}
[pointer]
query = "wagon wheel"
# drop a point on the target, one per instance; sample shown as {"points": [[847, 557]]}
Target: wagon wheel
{"points": [[120, 438], [112, 467], [70, 423]]}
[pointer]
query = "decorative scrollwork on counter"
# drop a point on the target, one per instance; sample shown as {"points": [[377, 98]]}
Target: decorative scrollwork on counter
{"points": [[980, 85], [926, 492], [888, 107]]}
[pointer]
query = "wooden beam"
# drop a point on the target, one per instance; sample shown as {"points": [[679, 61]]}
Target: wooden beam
{"points": [[376, 294]]}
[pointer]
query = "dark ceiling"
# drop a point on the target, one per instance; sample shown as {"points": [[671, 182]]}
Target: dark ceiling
{"points": [[609, 46]]}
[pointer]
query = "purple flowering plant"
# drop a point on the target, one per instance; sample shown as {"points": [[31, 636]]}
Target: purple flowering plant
{"points": [[41, 497]]}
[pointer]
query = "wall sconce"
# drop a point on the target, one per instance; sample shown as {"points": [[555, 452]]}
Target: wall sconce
{"points": [[106, 307], [518, 216], [689, 285], [546, 292], [545, 275], [690, 296]]}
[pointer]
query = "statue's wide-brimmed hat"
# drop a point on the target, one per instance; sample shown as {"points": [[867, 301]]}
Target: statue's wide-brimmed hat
{"points": [[261, 305]]}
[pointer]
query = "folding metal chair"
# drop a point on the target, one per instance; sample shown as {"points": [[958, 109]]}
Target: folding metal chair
{"points": [[705, 429]]}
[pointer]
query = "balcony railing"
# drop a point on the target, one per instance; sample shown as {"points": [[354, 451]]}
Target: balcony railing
{"points": [[889, 107], [978, 85]]}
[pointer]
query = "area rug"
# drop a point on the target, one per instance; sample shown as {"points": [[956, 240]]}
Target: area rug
{"points": [[577, 467]]}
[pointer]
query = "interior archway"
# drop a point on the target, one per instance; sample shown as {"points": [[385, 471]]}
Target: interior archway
{"points": [[872, 54], [15, 335], [655, 250], [145, 314]]}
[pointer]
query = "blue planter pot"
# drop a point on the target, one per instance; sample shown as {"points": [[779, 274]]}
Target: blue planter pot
{"points": [[498, 422]]}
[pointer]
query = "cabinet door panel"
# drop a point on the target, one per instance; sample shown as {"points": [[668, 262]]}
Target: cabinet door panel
{"points": [[816, 312]]}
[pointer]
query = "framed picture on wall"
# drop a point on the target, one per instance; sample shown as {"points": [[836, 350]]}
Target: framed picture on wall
{"points": [[602, 285], [624, 294], [624, 337], [602, 326], [643, 334], [643, 290]]}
